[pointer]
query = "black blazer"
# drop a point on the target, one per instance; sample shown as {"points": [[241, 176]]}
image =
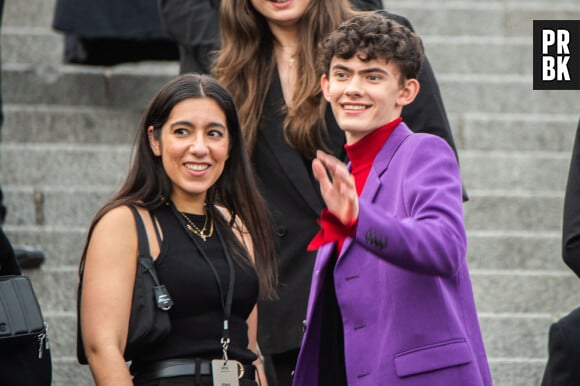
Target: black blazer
{"points": [[108, 32], [571, 223], [293, 196], [563, 366]]}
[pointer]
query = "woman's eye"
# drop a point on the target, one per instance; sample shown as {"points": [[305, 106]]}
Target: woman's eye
{"points": [[181, 131], [215, 133]]}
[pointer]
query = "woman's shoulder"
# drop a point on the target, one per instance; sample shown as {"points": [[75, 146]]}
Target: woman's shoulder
{"points": [[118, 219]]}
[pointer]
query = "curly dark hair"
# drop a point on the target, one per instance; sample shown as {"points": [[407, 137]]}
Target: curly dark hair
{"points": [[374, 36]]}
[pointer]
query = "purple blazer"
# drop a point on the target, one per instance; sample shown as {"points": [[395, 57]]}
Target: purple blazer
{"points": [[402, 282]]}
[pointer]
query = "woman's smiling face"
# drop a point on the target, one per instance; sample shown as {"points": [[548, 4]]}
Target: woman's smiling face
{"points": [[194, 147]]}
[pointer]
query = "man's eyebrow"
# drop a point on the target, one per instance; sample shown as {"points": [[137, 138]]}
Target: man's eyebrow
{"points": [[365, 71], [341, 67]]}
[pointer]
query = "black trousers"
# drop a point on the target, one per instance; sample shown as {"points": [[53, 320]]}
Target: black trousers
{"points": [[280, 368]]}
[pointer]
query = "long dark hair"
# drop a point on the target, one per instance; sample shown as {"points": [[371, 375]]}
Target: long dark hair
{"points": [[147, 184], [245, 66]]}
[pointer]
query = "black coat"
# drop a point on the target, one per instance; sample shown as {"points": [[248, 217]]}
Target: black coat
{"points": [[571, 224], [563, 366], [112, 31]]}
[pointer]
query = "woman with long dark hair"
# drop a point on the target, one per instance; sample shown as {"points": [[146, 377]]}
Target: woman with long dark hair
{"points": [[192, 185]]}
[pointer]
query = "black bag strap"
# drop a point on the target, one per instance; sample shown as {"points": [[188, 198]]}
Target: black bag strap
{"points": [[142, 239], [162, 298]]}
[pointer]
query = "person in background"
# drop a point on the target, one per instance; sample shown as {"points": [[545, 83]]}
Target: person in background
{"points": [[194, 25], [571, 222], [109, 32], [27, 256], [564, 334], [207, 226], [267, 61], [19, 363], [391, 301]]}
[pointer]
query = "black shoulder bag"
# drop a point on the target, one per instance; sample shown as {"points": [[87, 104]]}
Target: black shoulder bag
{"points": [[25, 357], [149, 324]]}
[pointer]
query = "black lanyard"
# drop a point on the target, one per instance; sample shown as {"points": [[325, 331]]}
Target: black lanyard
{"points": [[225, 301]]}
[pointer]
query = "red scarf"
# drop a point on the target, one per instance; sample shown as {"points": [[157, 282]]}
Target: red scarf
{"points": [[362, 155]]}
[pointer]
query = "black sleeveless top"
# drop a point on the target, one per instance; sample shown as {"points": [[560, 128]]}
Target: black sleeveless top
{"points": [[197, 314]]}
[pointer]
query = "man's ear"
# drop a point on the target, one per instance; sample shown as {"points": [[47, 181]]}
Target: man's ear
{"points": [[324, 86], [153, 142], [408, 92]]}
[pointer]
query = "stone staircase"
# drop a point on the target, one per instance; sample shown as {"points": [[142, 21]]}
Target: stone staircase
{"points": [[68, 130]]}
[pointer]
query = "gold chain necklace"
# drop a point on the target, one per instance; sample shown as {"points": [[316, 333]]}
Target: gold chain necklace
{"points": [[195, 229]]}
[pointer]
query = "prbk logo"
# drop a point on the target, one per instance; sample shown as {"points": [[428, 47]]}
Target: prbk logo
{"points": [[556, 54]]}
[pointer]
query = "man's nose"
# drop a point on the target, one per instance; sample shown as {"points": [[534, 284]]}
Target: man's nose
{"points": [[354, 86]]}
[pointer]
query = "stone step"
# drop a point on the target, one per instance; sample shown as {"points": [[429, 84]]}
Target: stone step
{"points": [[54, 206], [479, 54], [29, 13], [519, 291], [513, 250], [62, 245], [517, 372], [64, 165], [514, 132], [504, 211], [526, 171], [50, 124], [471, 18], [503, 94], [37, 46], [123, 86]]}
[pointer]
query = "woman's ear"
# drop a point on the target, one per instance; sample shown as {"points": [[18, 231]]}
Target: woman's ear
{"points": [[408, 92], [153, 142]]}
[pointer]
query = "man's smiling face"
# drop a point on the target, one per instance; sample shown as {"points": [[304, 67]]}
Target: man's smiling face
{"points": [[363, 95]]}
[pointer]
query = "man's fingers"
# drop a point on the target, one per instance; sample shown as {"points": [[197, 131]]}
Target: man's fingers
{"points": [[321, 174]]}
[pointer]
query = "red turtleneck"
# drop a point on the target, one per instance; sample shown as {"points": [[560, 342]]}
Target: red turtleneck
{"points": [[361, 155]]}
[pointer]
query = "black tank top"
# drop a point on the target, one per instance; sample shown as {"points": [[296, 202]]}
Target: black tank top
{"points": [[197, 314]]}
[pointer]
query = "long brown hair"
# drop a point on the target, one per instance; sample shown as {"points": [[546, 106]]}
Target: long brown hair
{"points": [[245, 66], [148, 185]]}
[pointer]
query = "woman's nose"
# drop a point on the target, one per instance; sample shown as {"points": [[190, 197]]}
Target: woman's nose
{"points": [[198, 146]]}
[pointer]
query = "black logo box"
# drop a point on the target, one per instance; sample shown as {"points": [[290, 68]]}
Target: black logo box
{"points": [[573, 65]]}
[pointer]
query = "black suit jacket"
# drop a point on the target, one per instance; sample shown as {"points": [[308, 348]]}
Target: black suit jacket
{"points": [[571, 223], [563, 366], [293, 196]]}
